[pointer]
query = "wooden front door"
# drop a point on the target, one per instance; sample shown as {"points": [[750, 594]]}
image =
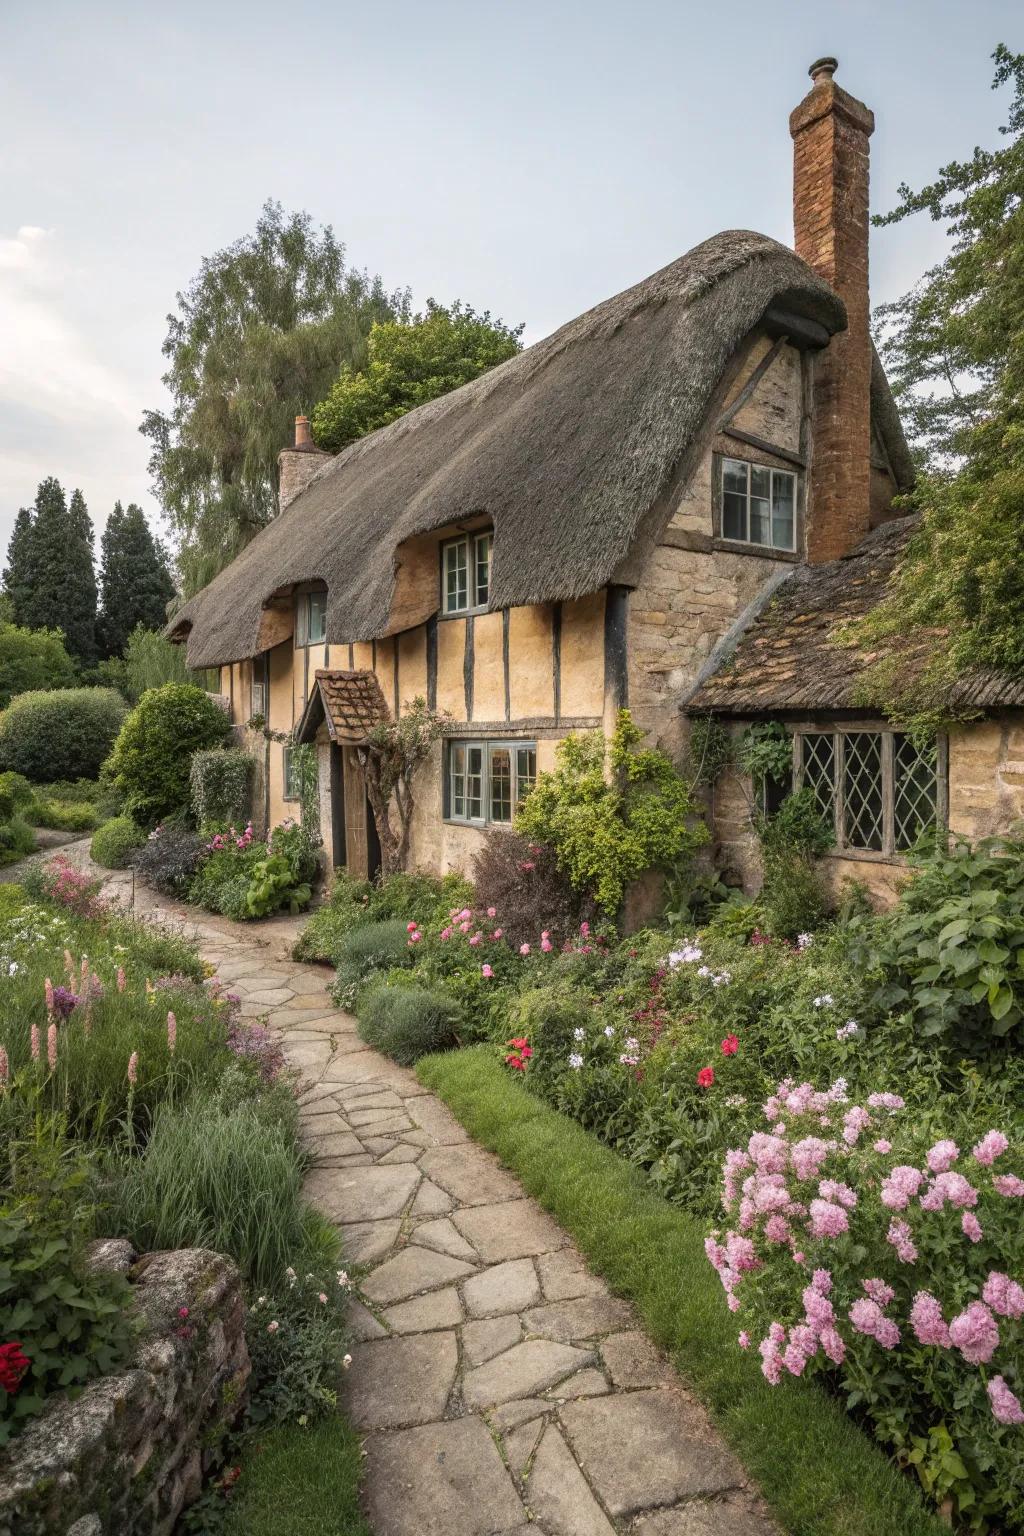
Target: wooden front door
{"points": [[362, 845], [338, 849]]}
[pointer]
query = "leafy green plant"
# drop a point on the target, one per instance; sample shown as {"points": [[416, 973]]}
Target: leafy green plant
{"points": [[953, 953], [16, 840], [710, 749], [793, 897], [407, 1022], [16, 794], [65, 733], [297, 1337], [272, 886], [221, 786], [608, 830], [71, 1326], [423, 899], [149, 764], [116, 843]]}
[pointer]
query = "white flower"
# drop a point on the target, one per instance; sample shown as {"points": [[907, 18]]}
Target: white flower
{"points": [[685, 956], [703, 970], [848, 1030], [273, 1327], [609, 1030], [804, 940], [824, 1001], [735, 1101], [628, 1061], [579, 1034], [722, 979], [343, 1277], [575, 1061], [346, 1362], [261, 1301], [632, 1045]]}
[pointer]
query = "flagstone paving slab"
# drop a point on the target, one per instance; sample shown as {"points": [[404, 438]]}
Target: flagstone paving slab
{"points": [[470, 1323], [395, 1382], [441, 1480]]}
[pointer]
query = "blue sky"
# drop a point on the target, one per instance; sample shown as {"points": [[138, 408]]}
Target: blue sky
{"points": [[530, 158]]}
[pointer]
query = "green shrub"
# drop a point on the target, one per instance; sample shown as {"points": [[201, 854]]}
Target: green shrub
{"points": [[32, 659], [609, 829], [793, 896], [149, 764], [363, 952], [408, 1022], [67, 733], [16, 840], [114, 844], [221, 786], [222, 1176], [16, 794], [73, 816], [71, 1326]]}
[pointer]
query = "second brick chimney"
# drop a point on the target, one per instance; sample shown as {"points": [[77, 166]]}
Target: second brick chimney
{"points": [[830, 132], [297, 465]]}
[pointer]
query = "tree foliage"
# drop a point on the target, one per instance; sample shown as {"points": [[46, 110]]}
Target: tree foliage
{"points": [[135, 580], [256, 339], [955, 353], [408, 363], [954, 345], [50, 575], [59, 735]]}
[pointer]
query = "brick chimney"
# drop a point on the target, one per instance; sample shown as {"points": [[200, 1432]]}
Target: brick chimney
{"points": [[830, 218], [297, 465]]}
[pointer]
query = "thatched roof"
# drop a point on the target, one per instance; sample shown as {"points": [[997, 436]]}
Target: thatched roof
{"points": [[571, 448], [350, 703], [788, 660]]}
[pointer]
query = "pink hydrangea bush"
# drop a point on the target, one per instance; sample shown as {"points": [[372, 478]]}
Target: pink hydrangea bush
{"points": [[857, 1245]]}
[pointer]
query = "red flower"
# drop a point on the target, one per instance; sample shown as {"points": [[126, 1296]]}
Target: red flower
{"points": [[13, 1365], [730, 1045], [705, 1077], [516, 1063], [518, 1045], [526, 1051]]}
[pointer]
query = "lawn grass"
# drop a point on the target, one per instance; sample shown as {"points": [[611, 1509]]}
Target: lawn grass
{"points": [[821, 1474], [300, 1482]]}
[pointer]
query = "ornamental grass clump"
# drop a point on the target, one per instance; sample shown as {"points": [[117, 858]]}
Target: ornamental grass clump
{"points": [[861, 1246]]}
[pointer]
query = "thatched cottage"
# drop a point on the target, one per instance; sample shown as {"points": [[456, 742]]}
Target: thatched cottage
{"points": [[642, 509]]}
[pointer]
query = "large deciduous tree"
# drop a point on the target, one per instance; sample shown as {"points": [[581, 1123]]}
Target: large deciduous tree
{"points": [[256, 339], [135, 581], [954, 345], [50, 575], [408, 363]]}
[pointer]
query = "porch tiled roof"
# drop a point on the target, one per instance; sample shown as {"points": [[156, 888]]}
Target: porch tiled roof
{"points": [[350, 703]]}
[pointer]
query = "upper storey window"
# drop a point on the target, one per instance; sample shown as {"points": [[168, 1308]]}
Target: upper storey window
{"points": [[466, 573], [312, 618], [758, 505]]}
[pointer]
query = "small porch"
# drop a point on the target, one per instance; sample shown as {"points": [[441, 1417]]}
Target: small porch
{"points": [[342, 709]]}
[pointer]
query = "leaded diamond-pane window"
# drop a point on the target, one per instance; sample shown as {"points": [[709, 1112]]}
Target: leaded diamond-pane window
{"points": [[819, 768], [915, 792], [879, 790], [862, 791]]}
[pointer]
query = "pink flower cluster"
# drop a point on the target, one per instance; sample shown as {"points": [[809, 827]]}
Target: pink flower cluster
{"points": [[222, 840], [810, 1181]]}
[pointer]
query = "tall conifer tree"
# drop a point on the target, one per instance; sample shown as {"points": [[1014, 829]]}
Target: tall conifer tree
{"points": [[50, 573], [135, 582]]}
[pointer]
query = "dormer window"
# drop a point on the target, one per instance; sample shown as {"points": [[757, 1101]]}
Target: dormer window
{"points": [[758, 505], [312, 618], [466, 573]]}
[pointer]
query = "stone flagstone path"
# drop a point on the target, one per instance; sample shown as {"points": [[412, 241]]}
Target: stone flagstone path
{"points": [[501, 1389]]}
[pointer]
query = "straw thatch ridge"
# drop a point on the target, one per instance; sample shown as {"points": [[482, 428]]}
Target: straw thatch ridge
{"points": [[567, 447], [791, 659]]}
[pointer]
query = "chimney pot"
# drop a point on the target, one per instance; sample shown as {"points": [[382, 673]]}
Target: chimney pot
{"points": [[303, 436], [823, 69]]}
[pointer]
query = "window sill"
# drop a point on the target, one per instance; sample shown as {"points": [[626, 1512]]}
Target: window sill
{"points": [[868, 856], [465, 613], [760, 551]]}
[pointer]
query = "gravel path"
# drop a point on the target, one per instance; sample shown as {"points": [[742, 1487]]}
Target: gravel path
{"points": [[502, 1390]]}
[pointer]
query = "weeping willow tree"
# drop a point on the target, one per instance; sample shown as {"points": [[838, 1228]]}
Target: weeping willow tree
{"points": [[257, 338]]}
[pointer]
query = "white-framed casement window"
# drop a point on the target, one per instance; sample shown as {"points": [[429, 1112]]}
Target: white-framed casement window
{"points": [[292, 788], [758, 504], [879, 790], [486, 780], [466, 572], [312, 618], [257, 691]]}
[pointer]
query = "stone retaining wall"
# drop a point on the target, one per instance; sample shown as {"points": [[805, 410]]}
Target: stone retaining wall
{"points": [[129, 1453]]}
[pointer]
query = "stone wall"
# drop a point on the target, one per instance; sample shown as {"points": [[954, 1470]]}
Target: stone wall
{"points": [[127, 1455]]}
